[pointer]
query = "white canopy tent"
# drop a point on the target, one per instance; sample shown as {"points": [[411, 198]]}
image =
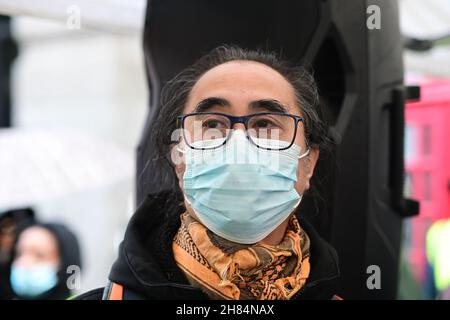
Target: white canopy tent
{"points": [[428, 19], [116, 16], [418, 18]]}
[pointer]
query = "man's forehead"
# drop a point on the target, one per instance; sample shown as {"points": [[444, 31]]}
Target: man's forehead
{"points": [[239, 68], [243, 79]]}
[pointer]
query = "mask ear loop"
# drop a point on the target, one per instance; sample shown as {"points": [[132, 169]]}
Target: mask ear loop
{"points": [[180, 150], [306, 153]]}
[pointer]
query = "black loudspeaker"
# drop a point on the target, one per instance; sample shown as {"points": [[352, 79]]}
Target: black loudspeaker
{"points": [[360, 76]]}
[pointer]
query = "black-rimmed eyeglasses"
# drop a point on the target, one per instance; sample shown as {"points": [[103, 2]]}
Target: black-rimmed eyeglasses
{"points": [[211, 130]]}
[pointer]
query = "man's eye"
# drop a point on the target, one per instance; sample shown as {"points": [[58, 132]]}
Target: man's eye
{"points": [[262, 124], [212, 124]]}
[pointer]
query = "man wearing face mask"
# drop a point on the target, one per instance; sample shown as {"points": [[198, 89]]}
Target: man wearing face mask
{"points": [[43, 253], [241, 133]]}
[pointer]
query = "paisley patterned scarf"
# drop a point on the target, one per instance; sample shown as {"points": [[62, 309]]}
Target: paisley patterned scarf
{"points": [[228, 270]]}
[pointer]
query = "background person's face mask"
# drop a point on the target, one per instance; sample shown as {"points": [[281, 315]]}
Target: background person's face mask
{"points": [[239, 191], [33, 281]]}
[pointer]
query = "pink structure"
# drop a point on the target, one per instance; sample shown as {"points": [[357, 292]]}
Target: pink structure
{"points": [[427, 163]]}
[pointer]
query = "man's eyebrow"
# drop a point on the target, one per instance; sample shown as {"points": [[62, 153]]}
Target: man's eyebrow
{"points": [[269, 104], [210, 102]]}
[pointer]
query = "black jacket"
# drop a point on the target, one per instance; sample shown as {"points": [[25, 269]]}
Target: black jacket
{"points": [[147, 271]]}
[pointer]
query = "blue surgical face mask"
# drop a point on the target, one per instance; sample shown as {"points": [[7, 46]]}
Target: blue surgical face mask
{"points": [[239, 191], [33, 281]]}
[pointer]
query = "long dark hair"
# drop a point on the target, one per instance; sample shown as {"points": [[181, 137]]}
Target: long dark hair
{"points": [[175, 94]]}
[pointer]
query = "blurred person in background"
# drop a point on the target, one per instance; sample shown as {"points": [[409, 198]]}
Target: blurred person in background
{"points": [[42, 254], [11, 222], [438, 255]]}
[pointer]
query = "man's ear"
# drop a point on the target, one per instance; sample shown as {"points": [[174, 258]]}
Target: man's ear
{"points": [[312, 159], [177, 159], [309, 163]]}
